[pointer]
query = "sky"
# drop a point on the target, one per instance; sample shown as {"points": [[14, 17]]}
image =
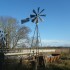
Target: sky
{"points": [[54, 30]]}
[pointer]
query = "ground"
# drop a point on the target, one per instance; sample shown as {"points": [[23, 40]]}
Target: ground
{"points": [[16, 64]]}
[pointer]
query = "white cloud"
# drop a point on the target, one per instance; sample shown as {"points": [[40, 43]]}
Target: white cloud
{"points": [[49, 42], [55, 43]]}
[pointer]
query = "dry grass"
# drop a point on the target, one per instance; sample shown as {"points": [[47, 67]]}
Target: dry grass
{"points": [[14, 64]]}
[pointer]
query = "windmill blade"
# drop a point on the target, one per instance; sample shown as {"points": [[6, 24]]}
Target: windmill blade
{"points": [[38, 9], [34, 12], [41, 11], [41, 19], [32, 16], [25, 20], [43, 15], [34, 19]]}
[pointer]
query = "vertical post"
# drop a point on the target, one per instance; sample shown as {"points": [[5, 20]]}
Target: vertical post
{"points": [[37, 45], [37, 41]]}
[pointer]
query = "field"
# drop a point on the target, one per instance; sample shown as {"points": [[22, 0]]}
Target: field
{"points": [[63, 63]]}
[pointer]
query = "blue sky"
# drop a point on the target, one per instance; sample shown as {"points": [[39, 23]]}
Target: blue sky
{"points": [[54, 30]]}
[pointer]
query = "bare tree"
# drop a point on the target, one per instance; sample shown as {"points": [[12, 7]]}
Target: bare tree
{"points": [[13, 31], [22, 33], [9, 25]]}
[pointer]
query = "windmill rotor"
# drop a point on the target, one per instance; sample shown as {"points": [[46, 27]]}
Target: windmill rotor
{"points": [[36, 16]]}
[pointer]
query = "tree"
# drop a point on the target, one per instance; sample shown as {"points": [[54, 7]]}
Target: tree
{"points": [[22, 34], [2, 39], [13, 31], [9, 25]]}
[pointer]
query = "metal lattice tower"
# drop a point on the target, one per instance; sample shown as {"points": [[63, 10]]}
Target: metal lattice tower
{"points": [[36, 40], [35, 18]]}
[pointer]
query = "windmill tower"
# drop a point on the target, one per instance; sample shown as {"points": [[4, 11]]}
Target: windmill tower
{"points": [[35, 18]]}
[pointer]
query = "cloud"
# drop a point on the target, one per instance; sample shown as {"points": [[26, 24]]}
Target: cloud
{"points": [[48, 43], [55, 43]]}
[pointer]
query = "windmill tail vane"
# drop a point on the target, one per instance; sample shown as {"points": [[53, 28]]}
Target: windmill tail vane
{"points": [[25, 20]]}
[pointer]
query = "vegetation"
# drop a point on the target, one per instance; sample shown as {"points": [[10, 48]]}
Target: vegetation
{"points": [[18, 64], [13, 31]]}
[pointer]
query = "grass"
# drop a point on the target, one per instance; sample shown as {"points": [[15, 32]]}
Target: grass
{"points": [[14, 64]]}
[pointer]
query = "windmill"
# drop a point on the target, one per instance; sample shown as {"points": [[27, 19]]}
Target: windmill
{"points": [[36, 17]]}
